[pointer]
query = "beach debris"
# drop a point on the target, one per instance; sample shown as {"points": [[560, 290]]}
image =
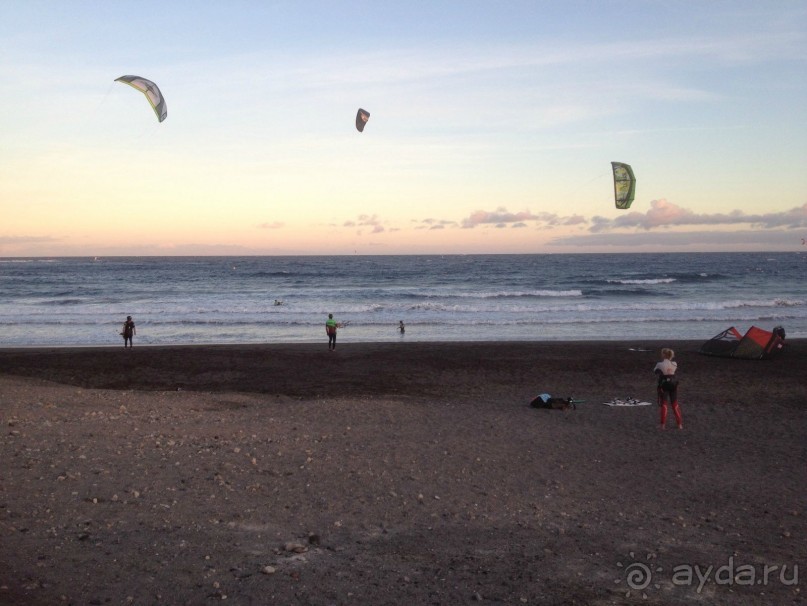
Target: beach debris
{"points": [[268, 570], [295, 547]]}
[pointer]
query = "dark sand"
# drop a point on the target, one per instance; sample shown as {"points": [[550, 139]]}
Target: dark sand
{"points": [[405, 473]]}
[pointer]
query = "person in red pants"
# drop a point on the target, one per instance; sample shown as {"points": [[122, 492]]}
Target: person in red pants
{"points": [[667, 387]]}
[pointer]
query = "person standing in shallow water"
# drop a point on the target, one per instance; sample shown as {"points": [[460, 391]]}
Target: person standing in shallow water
{"points": [[330, 329], [667, 387], [129, 331]]}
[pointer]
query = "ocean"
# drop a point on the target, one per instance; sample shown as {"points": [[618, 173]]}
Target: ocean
{"points": [[218, 300]]}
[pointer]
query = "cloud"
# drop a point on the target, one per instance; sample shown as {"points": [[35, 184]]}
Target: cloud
{"points": [[19, 245], [666, 214], [51, 247], [497, 217], [371, 221], [439, 61], [193, 249], [273, 225], [14, 240], [661, 217], [501, 218], [431, 224], [698, 240]]}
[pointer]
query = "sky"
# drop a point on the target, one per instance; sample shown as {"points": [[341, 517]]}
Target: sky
{"points": [[492, 127]]}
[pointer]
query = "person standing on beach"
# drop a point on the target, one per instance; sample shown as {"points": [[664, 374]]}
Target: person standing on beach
{"points": [[128, 331], [667, 387], [330, 329], [401, 327]]}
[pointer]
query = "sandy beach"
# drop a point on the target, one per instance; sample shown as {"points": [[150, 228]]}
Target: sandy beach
{"points": [[401, 473]]}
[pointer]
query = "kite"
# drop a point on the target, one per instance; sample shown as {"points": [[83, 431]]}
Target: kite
{"points": [[153, 94], [361, 119], [624, 184]]}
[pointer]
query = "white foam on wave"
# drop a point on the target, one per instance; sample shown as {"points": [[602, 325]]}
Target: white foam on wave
{"points": [[643, 281], [504, 294], [788, 302]]}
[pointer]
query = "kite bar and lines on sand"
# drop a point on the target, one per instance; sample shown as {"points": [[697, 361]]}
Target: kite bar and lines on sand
{"points": [[152, 92]]}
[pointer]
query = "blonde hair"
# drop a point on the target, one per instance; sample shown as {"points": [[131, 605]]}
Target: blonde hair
{"points": [[667, 353]]}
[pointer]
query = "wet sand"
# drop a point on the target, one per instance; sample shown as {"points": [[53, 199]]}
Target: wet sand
{"points": [[402, 473]]}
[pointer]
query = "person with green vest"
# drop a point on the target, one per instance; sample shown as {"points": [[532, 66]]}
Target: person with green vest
{"points": [[330, 329]]}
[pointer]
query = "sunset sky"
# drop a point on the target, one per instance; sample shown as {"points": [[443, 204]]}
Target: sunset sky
{"points": [[492, 127]]}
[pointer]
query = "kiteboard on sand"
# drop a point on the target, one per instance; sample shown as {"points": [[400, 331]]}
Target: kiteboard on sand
{"points": [[626, 402]]}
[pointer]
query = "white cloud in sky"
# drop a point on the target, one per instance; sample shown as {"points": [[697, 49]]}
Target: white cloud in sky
{"points": [[432, 224], [661, 214], [372, 221], [20, 240], [573, 73], [694, 240], [501, 217], [666, 214], [436, 61]]}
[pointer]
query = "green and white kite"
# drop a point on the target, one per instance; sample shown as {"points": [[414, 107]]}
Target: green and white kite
{"points": [[624, 185]]}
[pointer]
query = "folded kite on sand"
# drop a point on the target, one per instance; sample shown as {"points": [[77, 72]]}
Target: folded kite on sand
{"points": [[544, 400], [626, 402]]}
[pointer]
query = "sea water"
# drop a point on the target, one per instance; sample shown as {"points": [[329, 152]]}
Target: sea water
{"points": [[194, 300]]}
